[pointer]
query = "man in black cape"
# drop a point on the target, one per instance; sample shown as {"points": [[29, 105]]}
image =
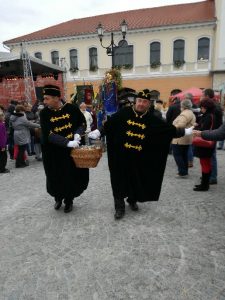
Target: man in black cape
{"points": [[138, 145], [61, 125]]}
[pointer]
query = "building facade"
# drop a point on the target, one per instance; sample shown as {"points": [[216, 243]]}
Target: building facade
{"points": [[165, 49]]}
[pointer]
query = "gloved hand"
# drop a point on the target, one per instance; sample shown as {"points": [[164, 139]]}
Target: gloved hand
{"points": [[95, 134], [92, 136], [73, 144], [77, 137], [188, 131]]}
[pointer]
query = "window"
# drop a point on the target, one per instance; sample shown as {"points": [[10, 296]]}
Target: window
{"points": [[178, 51], [93, 59], [203, 48], [38, 55], [123, 55], [55, 57], [155, 54], [73, 60]]}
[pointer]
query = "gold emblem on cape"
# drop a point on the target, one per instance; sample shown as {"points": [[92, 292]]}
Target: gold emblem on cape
{"points": [[69, 135], [136, 147], [63, 117], [57, 129], [140, 136], [141, 125]]}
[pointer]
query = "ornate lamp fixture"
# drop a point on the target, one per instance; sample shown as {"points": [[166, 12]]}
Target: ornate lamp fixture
{"points": [[110, 48]]}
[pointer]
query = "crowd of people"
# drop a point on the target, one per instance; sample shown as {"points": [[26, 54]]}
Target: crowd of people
{"points": [[20, 133], [139, 136]]}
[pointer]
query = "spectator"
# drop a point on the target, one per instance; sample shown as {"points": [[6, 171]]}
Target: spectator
{"points": [[205, 154], [21, 128], [3, 145], [173, 110], [89, 121], [209, 94], [180, 146]]}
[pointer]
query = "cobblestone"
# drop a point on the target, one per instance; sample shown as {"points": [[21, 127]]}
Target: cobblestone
{"points": [[170, 250]]}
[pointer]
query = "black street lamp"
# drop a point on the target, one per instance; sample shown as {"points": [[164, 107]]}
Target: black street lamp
{"points": [[110, 49]]}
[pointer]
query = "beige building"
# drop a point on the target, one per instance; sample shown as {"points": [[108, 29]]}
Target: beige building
{"points": [[218, 69], [165, 49]]}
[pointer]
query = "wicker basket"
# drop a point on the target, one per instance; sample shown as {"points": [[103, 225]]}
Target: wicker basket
{"points": [[86, 156]]}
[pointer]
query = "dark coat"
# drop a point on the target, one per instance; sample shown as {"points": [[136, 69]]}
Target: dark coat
{"points": [[218, 115], [214, 135], [137, 153], [64, 180], [207, 121], [3, 135], [173, 111]]}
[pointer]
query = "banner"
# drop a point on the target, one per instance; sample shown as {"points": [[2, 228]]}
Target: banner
{"points": [[84, 94], [109, 97]]}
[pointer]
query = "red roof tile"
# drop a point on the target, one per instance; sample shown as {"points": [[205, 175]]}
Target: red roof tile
{"points": [[136, 19]]}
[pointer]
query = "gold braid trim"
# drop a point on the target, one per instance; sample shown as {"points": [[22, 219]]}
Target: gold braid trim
{"points": [[141, 125], [55, 119], [139, 116], [57, 129], [140, 136], [129, 146], [69, 135]]}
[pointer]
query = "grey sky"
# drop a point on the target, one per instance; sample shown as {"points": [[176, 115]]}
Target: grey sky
{"points": [[19, 17]]}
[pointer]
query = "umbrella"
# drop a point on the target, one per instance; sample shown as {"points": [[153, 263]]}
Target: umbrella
{"points": [[196, 93]]}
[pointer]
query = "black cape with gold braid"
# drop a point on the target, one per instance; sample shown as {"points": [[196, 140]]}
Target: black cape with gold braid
{"points": [[138, 147], [64, 180]]}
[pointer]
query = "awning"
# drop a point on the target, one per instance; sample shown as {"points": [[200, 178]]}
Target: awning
{"points": [[12, 65]]}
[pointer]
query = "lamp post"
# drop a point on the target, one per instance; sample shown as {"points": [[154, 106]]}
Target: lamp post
{"points": [[110, 48]]}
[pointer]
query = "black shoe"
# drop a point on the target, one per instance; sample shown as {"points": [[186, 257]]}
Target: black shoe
{"points": [[119, 214], [197, 185], [68, 207], [5, 171], [213, 181], [133, 206], [58, 204], [21, 166], [201, 188]]}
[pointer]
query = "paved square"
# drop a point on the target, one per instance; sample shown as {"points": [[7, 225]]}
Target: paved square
{"points": [[170, 250]]}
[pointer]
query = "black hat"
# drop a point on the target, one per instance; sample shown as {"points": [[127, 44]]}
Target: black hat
{"points": [[144, 94], [51, 90], [124, 93], [159, 101]]}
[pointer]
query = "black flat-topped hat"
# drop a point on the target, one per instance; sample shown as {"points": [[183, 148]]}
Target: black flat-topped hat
{"points": [[51, 90], [144, 94]]}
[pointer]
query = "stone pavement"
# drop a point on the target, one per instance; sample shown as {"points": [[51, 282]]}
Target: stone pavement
{"points": [[170, 250]]}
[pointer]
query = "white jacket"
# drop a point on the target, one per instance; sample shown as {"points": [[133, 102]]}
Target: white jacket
{"points": [[89, 120]]}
